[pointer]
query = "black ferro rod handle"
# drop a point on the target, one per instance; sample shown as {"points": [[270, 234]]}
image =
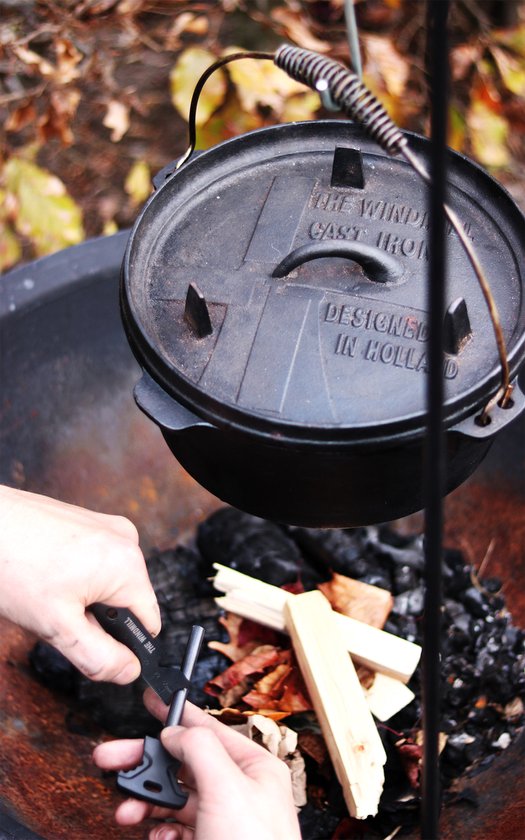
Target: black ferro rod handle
{"points": [[434, 473]]}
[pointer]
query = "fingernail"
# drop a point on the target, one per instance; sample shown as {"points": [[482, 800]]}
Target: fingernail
{"points": [[167, 834]]}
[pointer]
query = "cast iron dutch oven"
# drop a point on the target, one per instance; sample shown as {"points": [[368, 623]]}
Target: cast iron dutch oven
{"points": [[274, 293]]}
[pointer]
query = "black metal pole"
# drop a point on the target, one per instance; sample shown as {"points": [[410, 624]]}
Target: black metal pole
{"points": [[435, 455]]}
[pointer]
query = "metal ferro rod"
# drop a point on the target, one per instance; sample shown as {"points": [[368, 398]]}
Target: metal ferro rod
{"points": [[191, 655], [434, 473]]}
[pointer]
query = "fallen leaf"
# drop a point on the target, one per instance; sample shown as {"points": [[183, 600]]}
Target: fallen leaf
{"points": [[138, 182], [10, 248], [457, 129], [361, 601], [33, 59], [185, 22], [56, 121], [260, 82], [21, 117], [231, 121], [244, 636], [68, 59], [231, 716], [512, 70], [391, 65], [463, 58], [513, 39], [254, 663], [301, 107], [298, 30], [117, 119], [44, 212], [188, 69], [488, 133], [410, 755]]}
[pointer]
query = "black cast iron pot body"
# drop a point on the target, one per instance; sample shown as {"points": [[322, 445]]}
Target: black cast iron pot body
{"points": [[303, 398]]}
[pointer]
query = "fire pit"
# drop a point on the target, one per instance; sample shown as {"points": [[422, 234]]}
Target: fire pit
{"points": [[70, 428]]}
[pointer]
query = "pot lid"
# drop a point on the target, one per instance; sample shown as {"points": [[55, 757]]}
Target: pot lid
{"points": [[278, 282]]}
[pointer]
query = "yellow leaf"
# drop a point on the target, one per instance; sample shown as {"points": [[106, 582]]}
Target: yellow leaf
{"points": [[10, 249], [513, 39], [138, 182], [117, 118], [231, 121], [301, 107], [110, 227], [511, 69], [190, 65], [260, 82], [488, 135], [457, 129], [43, 211], [384, 60]]}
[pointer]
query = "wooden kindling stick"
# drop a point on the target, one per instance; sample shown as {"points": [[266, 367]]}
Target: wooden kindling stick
{"points": [[376, 649], [347, 725]]}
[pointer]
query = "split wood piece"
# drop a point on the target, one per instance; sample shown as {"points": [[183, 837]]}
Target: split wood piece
{"points": [[264, 603], [347, 725], [387, 696]]}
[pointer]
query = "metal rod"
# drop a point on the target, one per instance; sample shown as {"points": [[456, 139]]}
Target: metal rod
{"points": [[353, 38], [191, 654], [434, 474]]}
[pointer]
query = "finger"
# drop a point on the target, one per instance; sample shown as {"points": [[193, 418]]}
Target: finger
{"points": [[96, 654], [135, 811], [217, 776], [240, 748], [119, 755], [172, 832]]}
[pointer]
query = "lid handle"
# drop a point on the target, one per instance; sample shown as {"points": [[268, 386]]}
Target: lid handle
{"points": [[379, 266]]}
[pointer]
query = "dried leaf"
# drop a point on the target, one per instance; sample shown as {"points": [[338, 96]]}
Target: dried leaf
{"points": [[511, 69], [117, 119], [56, 121], [361, 601], [10, 249], [33, 59], [410, 755], [138, 182], [513, 39], [244, 636], [68, 59], [385, 60], [231, 716], [301, 107], [231, 121], [457, 128], [260, 82], [110, 227], [190, 65], [21, 117], [254, 663], [45, 213], [185, 22], [298, 30], [488, 133], [463, 58]]}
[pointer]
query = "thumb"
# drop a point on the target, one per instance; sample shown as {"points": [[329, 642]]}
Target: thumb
{"points": [[96, 654], [200, 750]]}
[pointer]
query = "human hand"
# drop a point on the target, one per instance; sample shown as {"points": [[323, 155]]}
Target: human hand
{"points": [[237, 789], [57, 559]]}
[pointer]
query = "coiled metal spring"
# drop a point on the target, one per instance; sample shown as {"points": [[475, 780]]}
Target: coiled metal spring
{"points": [[346, 90]]}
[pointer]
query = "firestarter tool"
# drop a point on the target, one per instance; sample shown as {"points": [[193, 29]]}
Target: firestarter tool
{"points": [[155, 778]]}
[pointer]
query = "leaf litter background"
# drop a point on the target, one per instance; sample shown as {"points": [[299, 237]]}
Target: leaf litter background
{"points": [[94, 94]]}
